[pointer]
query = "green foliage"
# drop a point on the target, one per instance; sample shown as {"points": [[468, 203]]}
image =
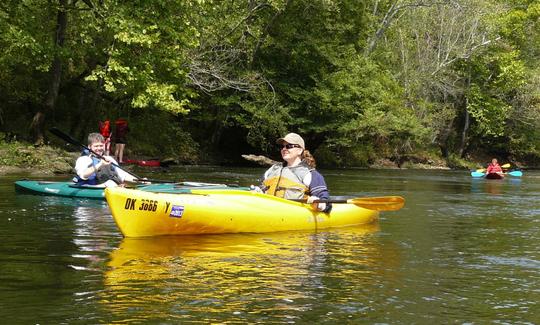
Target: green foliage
{"points": [[496, 78], [457, 162], [361, 155], [156, 135], [335, 95], [358, 80], [488, 112], [146, 55]]}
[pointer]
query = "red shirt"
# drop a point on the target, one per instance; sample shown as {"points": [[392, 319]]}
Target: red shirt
{"points": [[105, 128], [121, 128]]}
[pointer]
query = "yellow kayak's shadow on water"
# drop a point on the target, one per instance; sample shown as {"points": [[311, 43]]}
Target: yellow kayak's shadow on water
{"points": [[133, 250], [210, 273]]}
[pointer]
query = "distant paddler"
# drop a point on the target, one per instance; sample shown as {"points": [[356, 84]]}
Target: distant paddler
{"points": [[494, 170]]}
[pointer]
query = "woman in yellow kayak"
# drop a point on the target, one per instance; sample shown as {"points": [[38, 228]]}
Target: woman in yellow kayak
{"points": [[296, 177]]}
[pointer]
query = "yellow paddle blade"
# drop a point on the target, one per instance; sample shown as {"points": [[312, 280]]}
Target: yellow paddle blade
{"points": [[506, 166], [481, 170], [382, 203]]}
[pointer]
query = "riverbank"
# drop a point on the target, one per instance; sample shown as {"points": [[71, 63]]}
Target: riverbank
{"points": [[19, 157]]}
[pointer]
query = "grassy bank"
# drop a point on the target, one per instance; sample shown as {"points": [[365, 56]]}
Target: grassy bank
{"points": [[45, 160], [17, 156]]}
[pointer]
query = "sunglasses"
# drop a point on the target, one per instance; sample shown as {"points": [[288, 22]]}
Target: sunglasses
{"points": [[290, 146]]}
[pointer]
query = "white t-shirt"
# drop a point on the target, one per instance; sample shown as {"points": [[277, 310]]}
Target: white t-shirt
{"points": [[84, 162]]}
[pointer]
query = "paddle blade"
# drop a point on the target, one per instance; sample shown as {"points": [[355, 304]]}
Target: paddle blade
{"points": [[505, 166], [477, 174], [481, 170], [382, 203], [516, 173]]}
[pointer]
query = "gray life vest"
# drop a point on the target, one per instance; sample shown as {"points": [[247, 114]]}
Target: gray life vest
{"points": [[287, 182]]}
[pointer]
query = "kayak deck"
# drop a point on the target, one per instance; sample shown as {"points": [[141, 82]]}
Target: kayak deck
{"points": [[66, 189], [70, 189]]}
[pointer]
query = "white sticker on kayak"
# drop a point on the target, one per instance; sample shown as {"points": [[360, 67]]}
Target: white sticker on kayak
{"points": [[177, 211]]}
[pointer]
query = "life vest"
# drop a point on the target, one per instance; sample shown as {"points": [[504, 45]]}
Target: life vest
{"points": [[287, 182], [494, 168], [105, 128], [101, 176]]}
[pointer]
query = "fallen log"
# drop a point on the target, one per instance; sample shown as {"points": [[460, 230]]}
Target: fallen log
{"points": [[261, 160]]}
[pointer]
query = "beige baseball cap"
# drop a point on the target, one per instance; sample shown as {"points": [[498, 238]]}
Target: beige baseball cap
{"points": [[292, 138]]}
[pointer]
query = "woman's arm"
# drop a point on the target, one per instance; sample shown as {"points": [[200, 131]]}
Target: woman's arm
{"points": [[318, 188]]}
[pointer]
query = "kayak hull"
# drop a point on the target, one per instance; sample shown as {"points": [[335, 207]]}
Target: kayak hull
{"points": [[69, 189], [494, 176], [207, 211], [513, 173], [66, 189]]}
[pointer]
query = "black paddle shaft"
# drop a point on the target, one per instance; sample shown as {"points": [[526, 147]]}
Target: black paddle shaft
{"points": [[321, 201], [69, 139]]}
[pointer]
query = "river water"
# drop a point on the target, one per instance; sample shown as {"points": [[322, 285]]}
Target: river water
{"points": [[462, 251]]}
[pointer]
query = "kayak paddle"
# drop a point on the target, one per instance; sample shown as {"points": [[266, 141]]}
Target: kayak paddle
{"points": [[505, 166], [381, 203], [515, 173], [477, 174], [69, 139]]}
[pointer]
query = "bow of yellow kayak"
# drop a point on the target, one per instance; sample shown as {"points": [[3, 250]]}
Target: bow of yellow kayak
{"points": [[141, 214]]}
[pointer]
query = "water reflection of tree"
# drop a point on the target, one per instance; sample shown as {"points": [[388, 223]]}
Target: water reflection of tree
{"points": [[495, 186]]}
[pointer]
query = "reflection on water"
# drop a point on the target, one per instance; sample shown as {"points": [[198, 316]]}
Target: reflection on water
{"points": [[92, 233], [205, 277], [495, 186]]}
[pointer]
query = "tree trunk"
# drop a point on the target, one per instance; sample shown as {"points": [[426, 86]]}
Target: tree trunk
{"points": [[218, 131], [464, 132], [466, 120], [38, 122], [443, 141]]}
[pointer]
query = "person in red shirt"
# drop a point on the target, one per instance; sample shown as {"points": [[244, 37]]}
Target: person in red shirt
{"points": [[494, 167], [105, 131]]}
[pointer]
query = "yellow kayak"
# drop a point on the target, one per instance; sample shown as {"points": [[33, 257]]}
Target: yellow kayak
{"points": [[214, 211]]}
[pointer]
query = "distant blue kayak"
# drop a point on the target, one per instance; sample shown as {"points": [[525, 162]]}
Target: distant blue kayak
{"points": [[514, 173], [70, 189]]}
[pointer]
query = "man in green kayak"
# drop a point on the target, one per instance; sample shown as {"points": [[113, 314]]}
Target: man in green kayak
{"points": [[93, 170], [296, 177]]}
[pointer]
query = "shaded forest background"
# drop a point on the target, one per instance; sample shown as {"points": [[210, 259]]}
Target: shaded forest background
{"points": [[209, 80]]}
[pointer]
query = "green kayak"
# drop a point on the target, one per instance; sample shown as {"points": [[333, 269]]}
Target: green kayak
{"points": [[70, 189]]}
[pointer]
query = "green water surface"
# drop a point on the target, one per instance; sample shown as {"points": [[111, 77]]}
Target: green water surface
{"points": [[462, 251]]}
